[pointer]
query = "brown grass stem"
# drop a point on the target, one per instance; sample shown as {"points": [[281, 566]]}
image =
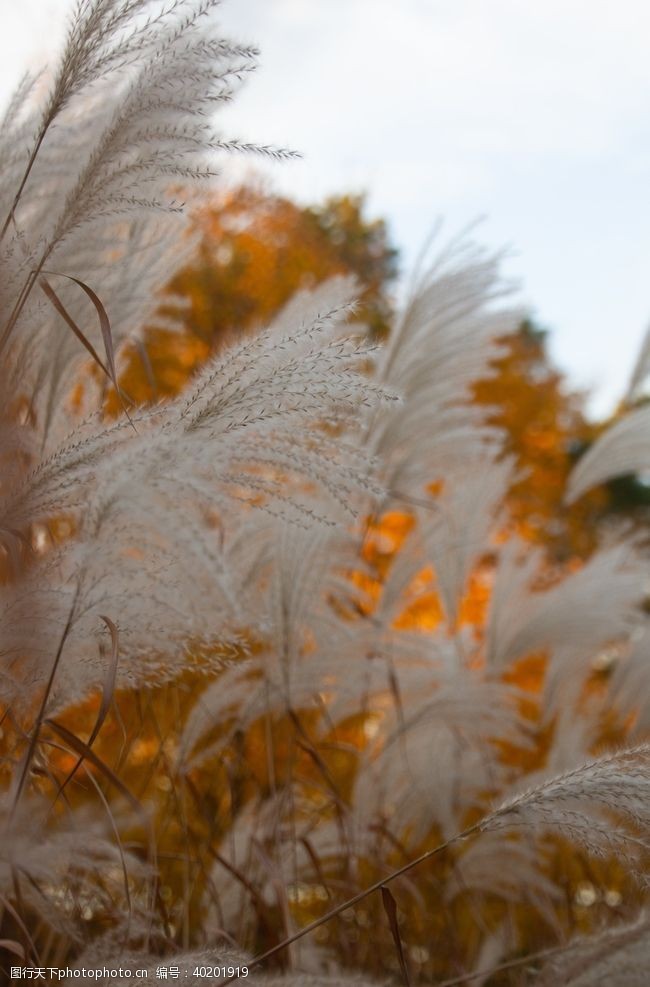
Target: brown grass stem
{"points": [[351, 902]]}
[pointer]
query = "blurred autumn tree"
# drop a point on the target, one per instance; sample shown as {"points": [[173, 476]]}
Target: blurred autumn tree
{"points": [[546, 430], [255, 250]]}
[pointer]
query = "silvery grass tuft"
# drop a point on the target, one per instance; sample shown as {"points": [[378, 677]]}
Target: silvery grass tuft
{"points": [[222, 532]]}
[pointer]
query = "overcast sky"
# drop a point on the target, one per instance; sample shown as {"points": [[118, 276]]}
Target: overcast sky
{"points": [[533, 114]]}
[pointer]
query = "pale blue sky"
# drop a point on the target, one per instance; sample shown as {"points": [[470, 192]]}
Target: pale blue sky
{"points": [[536, 115]]}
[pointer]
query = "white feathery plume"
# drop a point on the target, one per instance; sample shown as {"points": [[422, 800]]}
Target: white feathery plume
{"points": [[463, 521], [248, 432], [623, 448], [63, 865], [602, 805], [443, 341], [131, 103], [490, 865], [611, 957], [305, 656], [572, 620]]}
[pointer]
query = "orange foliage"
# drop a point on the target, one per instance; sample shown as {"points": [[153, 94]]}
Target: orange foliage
{"points": [[544, 428], [255, 251]]}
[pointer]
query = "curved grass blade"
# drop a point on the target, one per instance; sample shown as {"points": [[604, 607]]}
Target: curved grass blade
{"points": [[390, 907], [108, 691]]}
